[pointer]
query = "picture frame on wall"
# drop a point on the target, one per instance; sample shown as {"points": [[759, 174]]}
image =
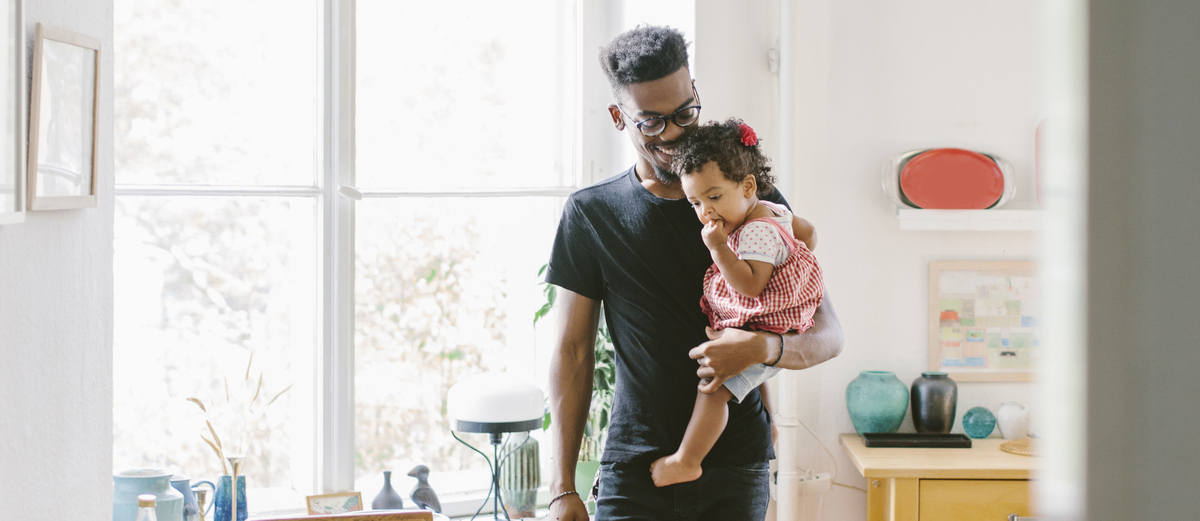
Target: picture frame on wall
{"points": [[12, 112], [63, 120], [984, 320]]}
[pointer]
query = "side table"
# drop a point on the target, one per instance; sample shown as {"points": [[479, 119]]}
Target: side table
{"points": [[980, 483]]}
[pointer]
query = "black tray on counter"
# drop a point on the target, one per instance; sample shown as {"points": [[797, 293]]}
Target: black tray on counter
{"points": [[916, 440]]}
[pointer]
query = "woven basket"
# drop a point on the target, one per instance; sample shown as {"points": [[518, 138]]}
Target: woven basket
{"points": [[1023, 446]]}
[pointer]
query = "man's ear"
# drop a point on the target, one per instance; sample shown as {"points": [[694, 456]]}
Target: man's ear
{"points": [[615, 112]]}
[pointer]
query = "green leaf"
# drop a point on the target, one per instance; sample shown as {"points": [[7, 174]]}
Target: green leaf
{"points": [[541, 313]]}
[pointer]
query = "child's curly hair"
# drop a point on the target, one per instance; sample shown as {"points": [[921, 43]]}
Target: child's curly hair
{"points": [[722, 142]]}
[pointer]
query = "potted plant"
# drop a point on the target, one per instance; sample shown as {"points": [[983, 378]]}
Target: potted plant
{"points": [[604, 383]]}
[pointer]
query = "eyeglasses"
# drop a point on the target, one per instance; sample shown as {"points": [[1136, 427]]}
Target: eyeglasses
{"points": [[655, 125]]}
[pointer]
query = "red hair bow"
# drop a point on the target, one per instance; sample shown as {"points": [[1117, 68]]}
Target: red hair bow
{"points": [[749, 138]]}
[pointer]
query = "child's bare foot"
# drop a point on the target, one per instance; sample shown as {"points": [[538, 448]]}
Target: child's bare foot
{"points": [[669, 470]]}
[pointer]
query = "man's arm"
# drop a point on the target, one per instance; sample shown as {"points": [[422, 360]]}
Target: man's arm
{"points": [[730, 351], [805, 232], [571, 369]]}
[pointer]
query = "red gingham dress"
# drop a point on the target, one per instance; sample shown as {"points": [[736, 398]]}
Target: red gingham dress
{"points": [[787, 303]]}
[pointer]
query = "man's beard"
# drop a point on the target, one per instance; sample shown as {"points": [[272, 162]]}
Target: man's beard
{"points": [[664, 176]]}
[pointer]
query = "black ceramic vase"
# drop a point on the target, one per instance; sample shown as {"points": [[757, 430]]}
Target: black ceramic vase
{"points": [[934, 398], [388, 498]]}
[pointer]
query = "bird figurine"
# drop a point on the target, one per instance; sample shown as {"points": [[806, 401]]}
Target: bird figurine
{"points": [[422, 494]]}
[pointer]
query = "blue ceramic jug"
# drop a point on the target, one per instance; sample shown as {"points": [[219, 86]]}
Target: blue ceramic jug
{"points": [[222, 508], [191, 510], [877, 401], [128, 484]]}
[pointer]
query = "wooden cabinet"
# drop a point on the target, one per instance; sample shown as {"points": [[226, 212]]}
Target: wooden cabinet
{"points": [[981, 483]]}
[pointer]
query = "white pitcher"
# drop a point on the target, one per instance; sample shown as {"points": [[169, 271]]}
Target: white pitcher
{"points": [[1013, 420]]}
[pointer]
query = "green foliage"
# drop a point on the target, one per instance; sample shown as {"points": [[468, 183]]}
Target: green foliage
{"points": [[604, 382]]}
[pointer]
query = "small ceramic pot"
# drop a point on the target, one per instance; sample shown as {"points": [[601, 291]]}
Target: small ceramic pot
{"points": [[387, 498], [1013, 420]]}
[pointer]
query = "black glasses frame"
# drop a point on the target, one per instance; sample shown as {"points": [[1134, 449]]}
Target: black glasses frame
{"points": [[668, 118]]}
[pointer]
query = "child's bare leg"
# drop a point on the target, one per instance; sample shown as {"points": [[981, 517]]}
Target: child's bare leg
{"points": [[708, 422]]}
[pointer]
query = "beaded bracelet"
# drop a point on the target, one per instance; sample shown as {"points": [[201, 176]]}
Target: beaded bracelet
{"points": [[560, 496]]}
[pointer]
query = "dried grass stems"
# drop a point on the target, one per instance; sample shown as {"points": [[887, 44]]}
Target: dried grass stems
{"points": [[241, 407]]}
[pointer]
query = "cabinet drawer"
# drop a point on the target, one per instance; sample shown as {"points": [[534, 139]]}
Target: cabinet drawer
{"points": [[973, 499]]}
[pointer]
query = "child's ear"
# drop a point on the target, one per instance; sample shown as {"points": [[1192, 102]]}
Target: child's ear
{"points": [[749, 186]]}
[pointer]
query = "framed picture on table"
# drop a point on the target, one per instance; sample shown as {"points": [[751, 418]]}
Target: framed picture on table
{"points": [[63, 120], [338, 503], [12, 112], [984, 320]]}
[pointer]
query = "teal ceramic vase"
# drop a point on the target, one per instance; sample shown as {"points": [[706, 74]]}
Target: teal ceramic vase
{"points": [[979, 422], [128, 484], [877, 401]]}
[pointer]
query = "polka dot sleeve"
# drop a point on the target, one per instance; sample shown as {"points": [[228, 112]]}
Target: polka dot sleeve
{"points": [[760, 241]]}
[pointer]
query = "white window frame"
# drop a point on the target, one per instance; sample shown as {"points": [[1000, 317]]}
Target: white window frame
{"points": [[334, 419], [331, 466]]}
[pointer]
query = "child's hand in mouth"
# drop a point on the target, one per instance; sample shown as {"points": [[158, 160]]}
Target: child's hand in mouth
{"points": [[714, 233]]}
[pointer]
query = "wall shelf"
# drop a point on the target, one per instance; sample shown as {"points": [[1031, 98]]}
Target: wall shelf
{"points": [[975, 220]]}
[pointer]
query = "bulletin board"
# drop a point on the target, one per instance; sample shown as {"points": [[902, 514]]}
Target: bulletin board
{"points": [[984, 320]]}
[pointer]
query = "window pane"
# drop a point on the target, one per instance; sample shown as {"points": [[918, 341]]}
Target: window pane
{"points": [[215, 92], [464, 94], [444, 288], [203, 283]]}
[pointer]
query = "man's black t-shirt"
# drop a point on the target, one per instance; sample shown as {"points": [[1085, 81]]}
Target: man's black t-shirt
{"points": [[642, 256]]}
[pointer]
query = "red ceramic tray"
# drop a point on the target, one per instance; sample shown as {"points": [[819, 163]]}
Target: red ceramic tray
{"points": [[952, 179]]}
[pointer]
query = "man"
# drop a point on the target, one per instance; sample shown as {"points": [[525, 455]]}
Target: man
{"points": [[633, 242]]}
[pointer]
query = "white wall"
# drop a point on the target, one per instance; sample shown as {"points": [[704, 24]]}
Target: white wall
{"points": [[56, 299], [876, 78]]}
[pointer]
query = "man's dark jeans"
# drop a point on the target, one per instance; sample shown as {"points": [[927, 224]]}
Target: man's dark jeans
{"points": [[732, 493]]}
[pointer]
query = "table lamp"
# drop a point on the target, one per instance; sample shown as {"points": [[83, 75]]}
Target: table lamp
{"points": [[494, 403]]}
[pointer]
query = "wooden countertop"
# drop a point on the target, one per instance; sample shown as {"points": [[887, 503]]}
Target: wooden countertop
{"points": [[984, 460]]}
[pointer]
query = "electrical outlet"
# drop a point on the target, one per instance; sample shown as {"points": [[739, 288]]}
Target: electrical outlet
{"points": [[816, 484]]}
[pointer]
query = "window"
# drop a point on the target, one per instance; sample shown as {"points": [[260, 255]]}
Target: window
{"points": [[216, 236], [464, 134], [357, 193]]}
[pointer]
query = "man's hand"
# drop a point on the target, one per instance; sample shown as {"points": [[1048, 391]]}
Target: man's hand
{"points": [[714, 234], [568, 508], [727, 353]]}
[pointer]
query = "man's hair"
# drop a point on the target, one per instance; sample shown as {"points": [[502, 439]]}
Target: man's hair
{"points": [[645, 53], [722, 143]]}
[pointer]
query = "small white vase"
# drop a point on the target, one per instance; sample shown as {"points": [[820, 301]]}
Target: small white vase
{"points": [[1013, 420]]}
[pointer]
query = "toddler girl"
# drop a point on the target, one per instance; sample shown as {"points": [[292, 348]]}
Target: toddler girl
{"points": [[762, 278]]}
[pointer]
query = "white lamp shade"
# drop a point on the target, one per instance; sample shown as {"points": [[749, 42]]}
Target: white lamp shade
{"points": [[496, 401]]}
